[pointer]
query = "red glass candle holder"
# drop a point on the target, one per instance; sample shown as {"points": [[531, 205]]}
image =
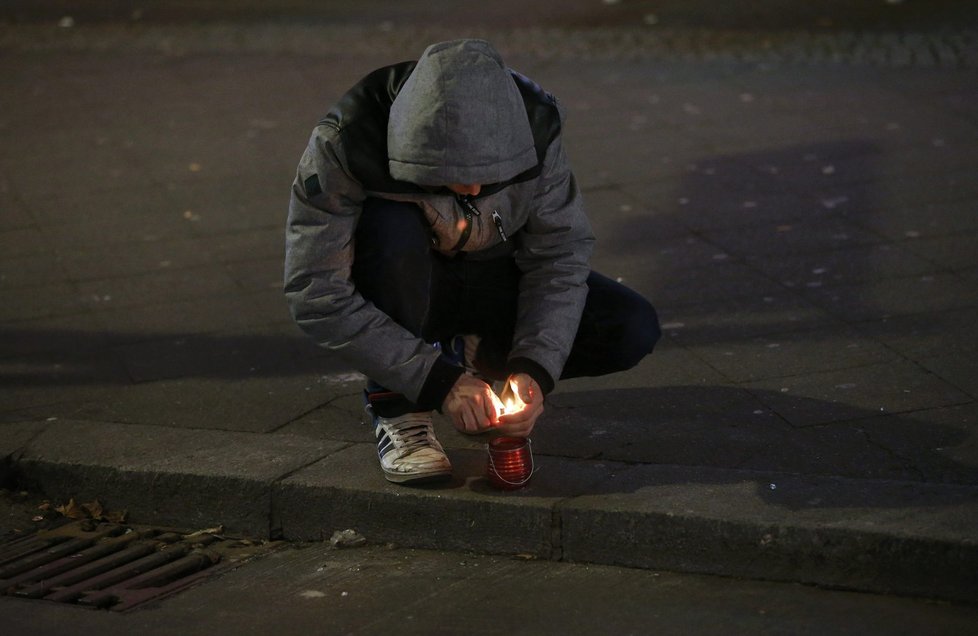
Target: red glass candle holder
{"points": [[510, 463]]}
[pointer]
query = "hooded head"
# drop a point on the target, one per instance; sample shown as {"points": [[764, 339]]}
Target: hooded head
{"points": [[459, 118]]}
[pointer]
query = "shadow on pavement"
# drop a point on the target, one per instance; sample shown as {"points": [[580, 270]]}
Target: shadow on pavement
{"points": [[730, 427], [65, 358]]}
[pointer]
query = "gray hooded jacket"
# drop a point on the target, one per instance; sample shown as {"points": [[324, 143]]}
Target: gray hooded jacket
{"points": [[456, 116]]}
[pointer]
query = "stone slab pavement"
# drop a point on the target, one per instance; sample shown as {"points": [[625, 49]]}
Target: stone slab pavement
{"points": [[806, 229]]}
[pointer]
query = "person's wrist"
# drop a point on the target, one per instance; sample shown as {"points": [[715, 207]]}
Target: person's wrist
{"points": [[438, 385], [533, 369]]}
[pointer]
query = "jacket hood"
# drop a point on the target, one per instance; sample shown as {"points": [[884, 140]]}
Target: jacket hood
{"points": [[459, 118]]}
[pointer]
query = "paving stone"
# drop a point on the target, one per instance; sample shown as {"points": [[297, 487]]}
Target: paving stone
{"points": [[48, 177], [194, 354], [177, 318], [259, 403], [679, 424], [671, 403], [845, 449], [258, 275], [236, 247], [894, 297], [738, 177], [15, 216], [900, 222], [611, 210], [669, 365], [42, 301], [922, 335], [240, 353], [959, 369], [845, 266], [342, 419], [231, 204], [725, 426], [907, 151], [613, 168], [71, 334], [937, 445], [30, 271], [59, 378], [16, 436], [203, 478], [787, 132], [723, 280], [659, 256], [796, 353], [22, 241], [933, 191], [664, 169], [144, 257], [820, 167], [970, 277], [718, 322], [726, 210], [197, 173], [953, 252], [820, 160], [165, 222], [158, 287], [792, 238], [855, 393]]}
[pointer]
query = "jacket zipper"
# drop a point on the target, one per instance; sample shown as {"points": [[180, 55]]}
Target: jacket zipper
{"points": [[499, 224], [469, 206]]}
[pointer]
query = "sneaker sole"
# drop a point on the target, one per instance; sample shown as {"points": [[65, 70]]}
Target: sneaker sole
{"points": [[424, 478]]}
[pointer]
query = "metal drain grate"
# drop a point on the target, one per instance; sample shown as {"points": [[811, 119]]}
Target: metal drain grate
{"points": [[115, 566]]}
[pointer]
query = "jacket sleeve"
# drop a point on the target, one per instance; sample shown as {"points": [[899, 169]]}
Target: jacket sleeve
{"points": [[325, 205], [554, 252]]}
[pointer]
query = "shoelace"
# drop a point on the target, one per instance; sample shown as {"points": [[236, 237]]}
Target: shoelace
{"points": [[411, 433]]}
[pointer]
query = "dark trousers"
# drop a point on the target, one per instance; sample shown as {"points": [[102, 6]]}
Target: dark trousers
{"points": [[437, 297]]}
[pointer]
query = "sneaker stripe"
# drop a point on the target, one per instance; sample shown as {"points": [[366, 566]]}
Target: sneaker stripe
{"points": [[408, 450]]}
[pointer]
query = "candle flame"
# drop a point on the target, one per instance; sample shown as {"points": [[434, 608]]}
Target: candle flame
{"points": [[513, 403]]}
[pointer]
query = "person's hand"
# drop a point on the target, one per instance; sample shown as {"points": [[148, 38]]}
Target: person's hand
{"points": [[471, 405], [520, 423]]}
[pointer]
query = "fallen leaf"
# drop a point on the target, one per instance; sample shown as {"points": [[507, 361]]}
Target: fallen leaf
{"points": [[116, 517], [94, 509], [72, 510], [216, 530]]}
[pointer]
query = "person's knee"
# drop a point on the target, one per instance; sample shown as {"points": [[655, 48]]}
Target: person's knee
{"points": [[640, 333]]}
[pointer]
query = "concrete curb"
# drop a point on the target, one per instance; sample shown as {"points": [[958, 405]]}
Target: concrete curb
{"points": [[856, 534]]}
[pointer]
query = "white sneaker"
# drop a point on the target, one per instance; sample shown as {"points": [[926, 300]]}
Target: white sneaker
{"points": [[408, 450]]}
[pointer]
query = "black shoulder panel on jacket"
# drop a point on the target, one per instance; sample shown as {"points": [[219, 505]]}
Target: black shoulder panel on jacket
{"points": [[362, 113], [361, 118]]}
